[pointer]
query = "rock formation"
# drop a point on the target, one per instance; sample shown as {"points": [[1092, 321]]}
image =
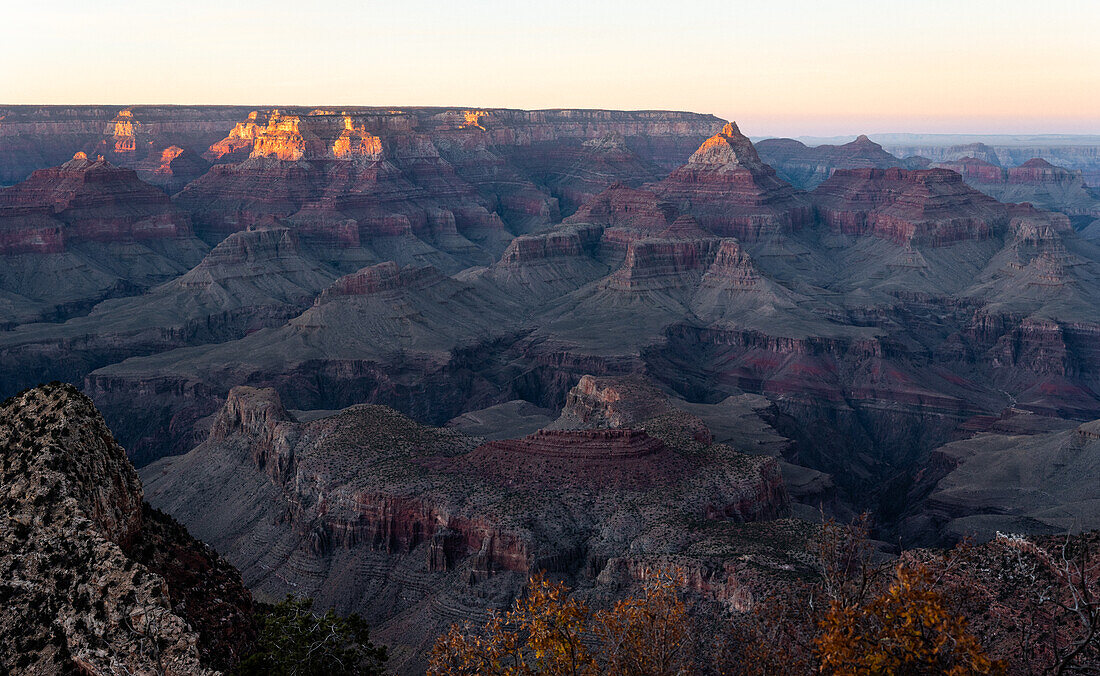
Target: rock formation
{"points": [[575, 172], [461, 188], [324, 172], [93, 582], [252, 280], [38, 137], [363, 338], [1023, 473], [1037, 182], [807, 167], [172, 169], [1080, 154], [415, 259], [419, 527], [932, 207], [541, 268], [613, 403], [86, 230], [93, 201], [731, 192], [421, 186]]}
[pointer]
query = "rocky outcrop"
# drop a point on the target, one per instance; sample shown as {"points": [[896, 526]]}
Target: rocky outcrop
{"points": [[88, 200], [84, 231], [122, 131], [37, 137], [564, 243], [238, 144], [284, 136], [172, 169], [623, 207], [655, 263], [731, 192], [932, 207], [541, 268], [807, 167], [324, 172], [92, 581], [625, 214], [732, 268], [1036, 181], [431, 520], [613, 403]]}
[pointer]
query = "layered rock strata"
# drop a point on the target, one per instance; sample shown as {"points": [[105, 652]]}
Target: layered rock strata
{"points": [[731, 192], [400, 336], [806, 167], [250, 281], [88, 200], [481, 166], [37, 137], [1036, 181], [370, 511], [84, 231]]}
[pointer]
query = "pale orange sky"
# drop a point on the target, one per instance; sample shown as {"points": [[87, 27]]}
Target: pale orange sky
{"points": [[794, 67]]}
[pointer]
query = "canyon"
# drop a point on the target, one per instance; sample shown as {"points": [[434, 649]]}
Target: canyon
{"points": [[421, 527], [398, 359]]}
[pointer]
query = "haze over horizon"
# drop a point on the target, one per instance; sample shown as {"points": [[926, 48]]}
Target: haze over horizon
{"points": [[777, 68]]}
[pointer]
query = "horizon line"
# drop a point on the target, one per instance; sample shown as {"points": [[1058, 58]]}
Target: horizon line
{"points": [[825, 119]]}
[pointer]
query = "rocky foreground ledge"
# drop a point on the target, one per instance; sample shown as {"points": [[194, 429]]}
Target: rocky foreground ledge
{"points": [[92, 579]]}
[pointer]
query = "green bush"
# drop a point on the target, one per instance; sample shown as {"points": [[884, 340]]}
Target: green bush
{"points": [[294, 641]]}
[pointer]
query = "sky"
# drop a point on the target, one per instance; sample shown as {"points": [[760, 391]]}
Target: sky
{"points": [[777, 67]]}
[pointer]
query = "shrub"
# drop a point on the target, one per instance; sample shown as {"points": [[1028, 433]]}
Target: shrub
{"points": [[294, 641], [550, 632], [905, 630]]}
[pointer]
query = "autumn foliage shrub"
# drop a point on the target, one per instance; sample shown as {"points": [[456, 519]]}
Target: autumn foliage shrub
{"points": [[1011, 606], [905, 630], [550, 632]]}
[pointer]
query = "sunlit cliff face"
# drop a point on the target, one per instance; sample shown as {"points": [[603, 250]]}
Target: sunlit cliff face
{"points": [[356, 142], [242, 136], [474, 119], [123, 132], [282, 138], [165, 167], [729, 150], [245, 131], [319, 135]]}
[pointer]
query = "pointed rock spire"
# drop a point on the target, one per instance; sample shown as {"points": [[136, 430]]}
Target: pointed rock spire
{"points": [[728, 148]]}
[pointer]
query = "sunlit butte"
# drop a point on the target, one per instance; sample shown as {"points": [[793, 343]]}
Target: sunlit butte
{"points": [[802, 67]]}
